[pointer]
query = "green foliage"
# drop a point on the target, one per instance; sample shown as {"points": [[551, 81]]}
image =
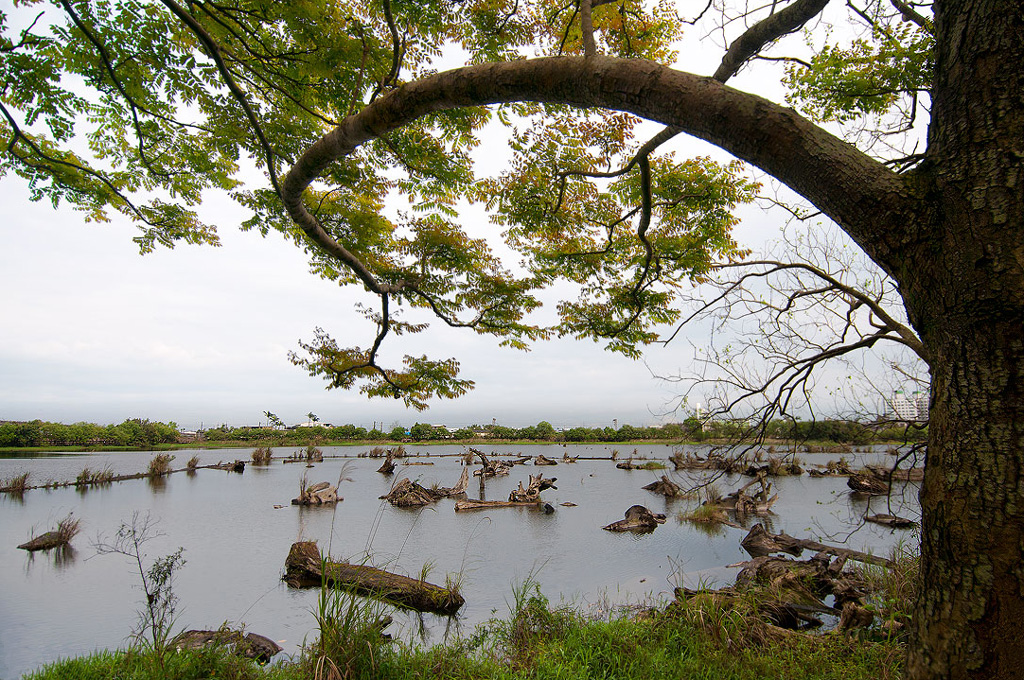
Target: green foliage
{"points": [[875, 75], [138, 108]]}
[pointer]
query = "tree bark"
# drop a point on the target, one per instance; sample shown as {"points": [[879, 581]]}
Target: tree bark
{"points": [[964, 289]]}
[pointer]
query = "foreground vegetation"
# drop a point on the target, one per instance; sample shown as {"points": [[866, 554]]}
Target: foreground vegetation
{"points": [[692, 638]]}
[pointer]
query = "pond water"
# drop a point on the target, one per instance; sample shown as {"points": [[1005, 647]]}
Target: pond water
{"points": [[236, 540]]}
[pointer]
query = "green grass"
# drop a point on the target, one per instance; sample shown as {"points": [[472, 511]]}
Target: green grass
{"points": [[184, 665]]}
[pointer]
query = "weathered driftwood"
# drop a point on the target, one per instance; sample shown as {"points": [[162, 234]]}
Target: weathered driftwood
{"points": [[638, 518], [51, 539], [236, 466], [388, 467], [666, 487], [891, 521], [531, 493], [834, 468], [743, 503], [628, 465], [566, 458], [408, 494], [491, 468], [305, 568], [542, 460], [714, 461], [249, 645], [321, 493], [759, 543], [460, 487], [476, 504], [868, 484]]}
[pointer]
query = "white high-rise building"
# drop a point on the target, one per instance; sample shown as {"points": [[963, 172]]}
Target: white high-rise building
{"points": [[912, 407]]}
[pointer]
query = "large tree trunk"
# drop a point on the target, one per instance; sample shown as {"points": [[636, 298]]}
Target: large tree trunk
{"points": [[971, 604], [963, 282]]}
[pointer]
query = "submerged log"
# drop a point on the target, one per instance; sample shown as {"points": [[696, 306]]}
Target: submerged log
{"points": [[249, 645], [305, 568], [476, 504], [868, 484], [51, 539], [891, 521], [638, 518], [759, 543], [666, 487]]}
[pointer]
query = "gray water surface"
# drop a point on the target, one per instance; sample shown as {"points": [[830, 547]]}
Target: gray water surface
{"points": [[236, 539]]}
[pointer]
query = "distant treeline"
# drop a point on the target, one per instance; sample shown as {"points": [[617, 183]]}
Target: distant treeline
{"points": [[837, 431], [139, 433], [135, 433]]}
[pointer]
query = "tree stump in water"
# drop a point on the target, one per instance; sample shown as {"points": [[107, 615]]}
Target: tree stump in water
{"points": [[868, 484], [305, 568], [318, 494], [531, 494], [638, 518], [666, 487]]}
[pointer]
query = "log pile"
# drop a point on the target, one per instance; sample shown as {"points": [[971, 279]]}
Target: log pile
{"points": [[408, 494], [792, 593], [637, 518], [318, 494], [305, 568]]}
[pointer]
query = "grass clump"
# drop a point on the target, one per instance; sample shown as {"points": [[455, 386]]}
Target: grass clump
{"points": [[160, 465], [68, 527], [192, 464], [262, 455], [15, 485], [213, 662]]}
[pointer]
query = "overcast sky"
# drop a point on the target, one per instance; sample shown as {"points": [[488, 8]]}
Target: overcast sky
{"points": [[93, 331]]}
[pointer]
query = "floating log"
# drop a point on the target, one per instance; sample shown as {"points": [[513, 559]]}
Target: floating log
{"points": [[321, 493], [891, 521], [476, 504], [236, 466], [249, 645], [51, 539], [868, 484], [638, 518], [759, 543], [542, 460], [305, 568]]}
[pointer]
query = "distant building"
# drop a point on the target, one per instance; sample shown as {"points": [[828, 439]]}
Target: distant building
{"points": [[909, 407]]}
